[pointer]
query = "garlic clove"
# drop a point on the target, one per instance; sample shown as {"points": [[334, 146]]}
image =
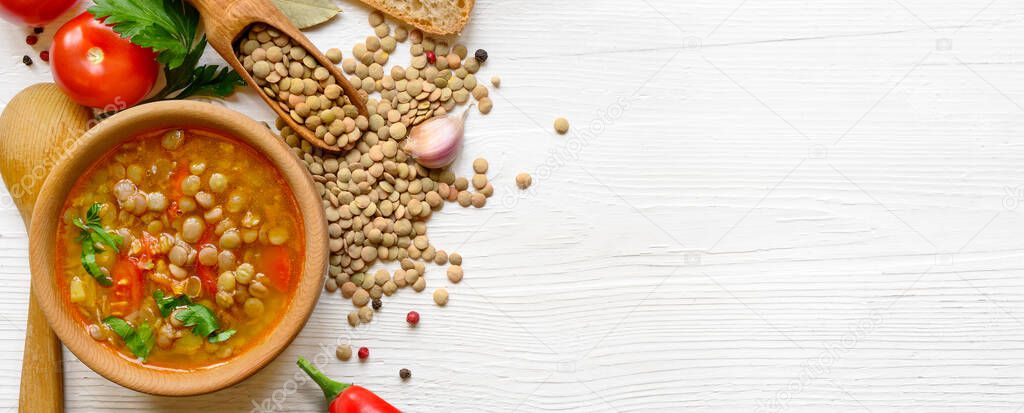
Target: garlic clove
{"points": [[437, 142]]}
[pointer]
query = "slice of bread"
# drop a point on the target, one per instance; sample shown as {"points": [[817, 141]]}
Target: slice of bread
{"points": [[440, 17]]}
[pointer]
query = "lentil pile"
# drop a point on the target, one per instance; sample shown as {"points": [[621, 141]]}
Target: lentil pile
{"points": [[302, 86], [377, 198]]}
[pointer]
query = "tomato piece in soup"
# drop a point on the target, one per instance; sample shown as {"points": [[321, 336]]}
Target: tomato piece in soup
{"points": [[276, 263], [128, 282]]}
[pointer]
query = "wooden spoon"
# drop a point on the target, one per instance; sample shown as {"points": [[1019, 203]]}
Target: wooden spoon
{"points": [[226, 21], [38, 125]]}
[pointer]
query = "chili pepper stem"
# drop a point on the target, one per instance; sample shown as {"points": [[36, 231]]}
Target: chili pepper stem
{"points": [[330, 387]]}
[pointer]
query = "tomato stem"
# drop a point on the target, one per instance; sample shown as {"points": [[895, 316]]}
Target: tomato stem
{"points": [[95, 55]]}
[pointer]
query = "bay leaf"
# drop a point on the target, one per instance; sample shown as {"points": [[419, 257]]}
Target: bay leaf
{"points": [[308, 13]]}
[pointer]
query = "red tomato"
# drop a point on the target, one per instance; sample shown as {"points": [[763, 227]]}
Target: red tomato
{"points": [[128, 282], [34, 12], [276, 263], [97, 68]]}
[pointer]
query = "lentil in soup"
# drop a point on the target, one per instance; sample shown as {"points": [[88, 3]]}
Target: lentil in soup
{"points": [[180, 248]]}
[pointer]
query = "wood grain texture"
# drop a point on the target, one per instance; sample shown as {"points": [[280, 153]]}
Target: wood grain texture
{"points": [[36, 127], [699, 241]]}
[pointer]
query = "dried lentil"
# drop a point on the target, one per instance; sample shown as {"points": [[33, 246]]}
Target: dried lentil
{"points": [[344, 352], [561, 126], [523, 180], [441, 296]]}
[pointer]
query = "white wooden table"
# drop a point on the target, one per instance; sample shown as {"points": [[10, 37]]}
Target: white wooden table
{"points": [[764, 206]]}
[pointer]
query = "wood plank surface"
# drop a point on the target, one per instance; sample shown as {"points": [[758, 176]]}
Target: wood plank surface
{"points": [[765, 206]]}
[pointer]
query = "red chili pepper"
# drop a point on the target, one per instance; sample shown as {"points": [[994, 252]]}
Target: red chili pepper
{"points": [[345, 397]]}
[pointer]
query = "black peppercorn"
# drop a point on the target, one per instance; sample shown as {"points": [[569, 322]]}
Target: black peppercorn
{"points": [[377, 304], [404, 374], [37, 30], [481, 55], [26, 60]]}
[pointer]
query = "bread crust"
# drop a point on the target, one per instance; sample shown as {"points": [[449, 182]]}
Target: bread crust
{"points": [[427, 26]]}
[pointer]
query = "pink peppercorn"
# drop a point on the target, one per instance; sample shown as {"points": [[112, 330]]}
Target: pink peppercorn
{"points": [[44, 55], [364, 353], [431, 57], [412, 318], [32, 39]]}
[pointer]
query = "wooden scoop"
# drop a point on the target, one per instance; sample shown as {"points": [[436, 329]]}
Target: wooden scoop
{"points": [[36, 128], [226, 21]]}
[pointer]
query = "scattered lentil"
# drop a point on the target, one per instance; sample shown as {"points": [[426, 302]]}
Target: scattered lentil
{"points": [[480, 165], [333, 54], [496, 81], [377, 199], [561, 126], [344, 352], [523, 180], [485, 106], [455, 273], [365, 314], [441, 296]]}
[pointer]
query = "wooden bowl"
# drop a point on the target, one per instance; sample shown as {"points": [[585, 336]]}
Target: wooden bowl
{"points": [[98, 142]]}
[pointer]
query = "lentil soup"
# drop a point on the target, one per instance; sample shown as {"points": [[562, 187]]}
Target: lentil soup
{"points": [[178, 249]]}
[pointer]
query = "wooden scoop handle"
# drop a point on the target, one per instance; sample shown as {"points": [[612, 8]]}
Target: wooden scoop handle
{"points": [[226, 21]]}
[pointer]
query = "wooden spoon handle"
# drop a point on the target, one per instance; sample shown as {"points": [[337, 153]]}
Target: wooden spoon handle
{"points": [[42, 385], [36, 127]]}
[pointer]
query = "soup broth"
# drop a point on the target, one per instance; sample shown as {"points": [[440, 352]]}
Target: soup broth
{"points": [[180, 248]]}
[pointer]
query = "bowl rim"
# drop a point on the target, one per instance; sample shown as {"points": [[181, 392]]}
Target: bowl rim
{"points": [[97, 142]]}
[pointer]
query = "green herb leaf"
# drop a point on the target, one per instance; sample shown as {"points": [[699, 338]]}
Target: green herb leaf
{"points": [[138, 340], [121, 327], [89, 262], [92, 234], [200, 318], [192, 80], [168, 304], [101, 236], [142, 343], [308, 13], [166, 26], [221, 336]]}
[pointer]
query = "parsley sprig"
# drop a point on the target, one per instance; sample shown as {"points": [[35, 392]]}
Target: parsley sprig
{"points": [[169, 28], [139, 340], [92, 234], [197, 316]]}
